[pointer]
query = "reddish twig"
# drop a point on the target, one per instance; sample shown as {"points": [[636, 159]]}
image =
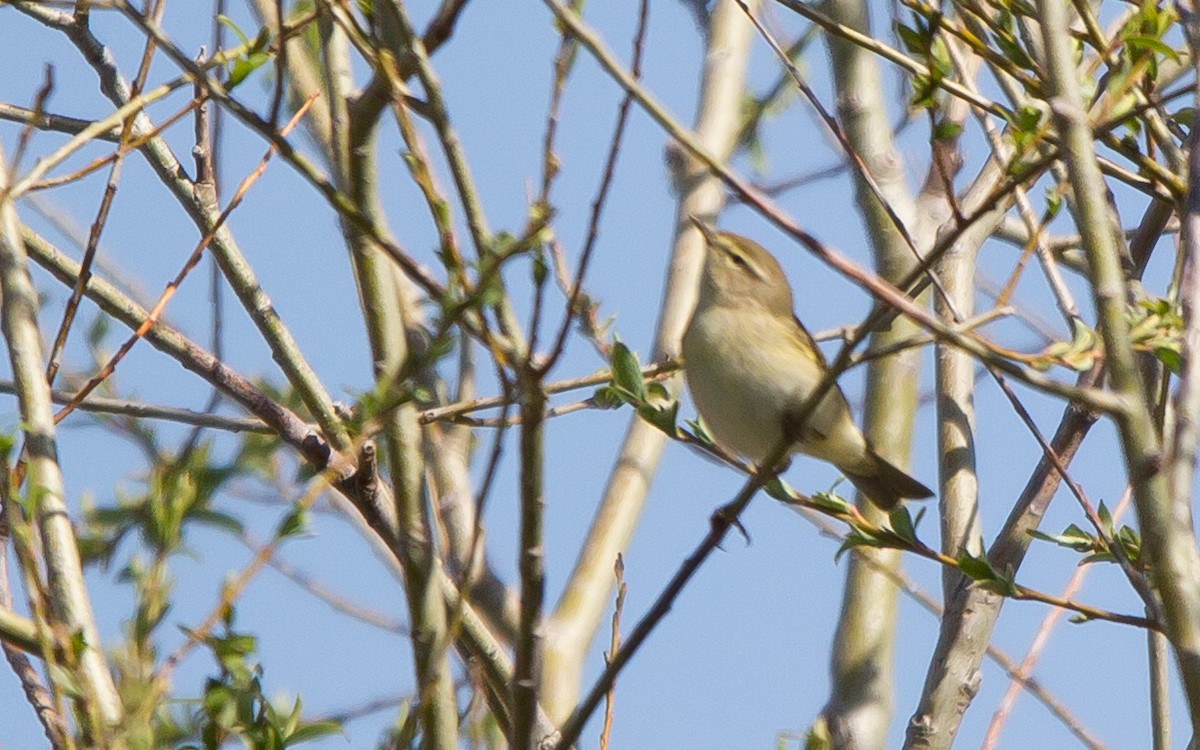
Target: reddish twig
{"points": [[191, 263]]}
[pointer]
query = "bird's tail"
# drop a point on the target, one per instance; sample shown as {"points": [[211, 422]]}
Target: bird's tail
{"points": [[884, 484]]}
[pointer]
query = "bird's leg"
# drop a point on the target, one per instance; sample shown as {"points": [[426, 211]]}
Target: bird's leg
{"points": [[799, 430]]}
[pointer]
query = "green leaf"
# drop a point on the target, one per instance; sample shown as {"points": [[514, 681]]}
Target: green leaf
{"points": [[912, 40], [228, 23], [262, 41], [8, 442], [780, 490], [293, 524], [627, 374], [491, 291], [1053, 202], [244, 66], [541, 269], [854, 539], [293, 718], [925, 91], [1170, 357], [980, 570], [1152, 44], [217, 519], [1131, 544], [975, 568], [313, 731], [1024, 124], [902, 524], [830, 502], [1072, 537], [1106, 519], [700, 431], [607, 397], [1012, 50], [77, 643], [945, 130], [662, 417]]}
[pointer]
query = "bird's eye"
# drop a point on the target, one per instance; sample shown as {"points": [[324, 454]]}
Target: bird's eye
{"points": [[738, 260]]}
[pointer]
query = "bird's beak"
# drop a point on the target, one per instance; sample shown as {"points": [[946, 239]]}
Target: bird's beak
{"points": [[705, 229]]}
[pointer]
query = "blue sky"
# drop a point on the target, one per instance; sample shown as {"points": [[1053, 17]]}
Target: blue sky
{"points": [[742, 656]]}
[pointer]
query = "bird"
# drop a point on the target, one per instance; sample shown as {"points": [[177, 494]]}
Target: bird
{"points": [[751, 366]]}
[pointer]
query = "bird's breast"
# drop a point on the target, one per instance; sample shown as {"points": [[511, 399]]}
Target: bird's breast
{"points": [[748, 371]]}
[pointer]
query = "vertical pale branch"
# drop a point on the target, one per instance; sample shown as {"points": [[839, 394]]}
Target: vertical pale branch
{"points": [[970, 612], [958, 499], [531, 561], [1160, 701], [954, 370], [970, 615], [1182, 600], [409, 46], [861, 660], [1165, 524], [353, 153], [578, 614], [69, 602]]}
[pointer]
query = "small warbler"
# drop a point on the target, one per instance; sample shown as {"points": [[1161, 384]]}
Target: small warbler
{"points": [[751, 366]]}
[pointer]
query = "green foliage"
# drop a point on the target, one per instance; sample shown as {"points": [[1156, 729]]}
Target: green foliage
{"points": [[858, 537], [294, 523], [252, 55], [1095, 547], [780, 490], [923, 42], [1155, 326], [541, 267], [1079, 354], [700, 431], [900, 533], [628, 386], [904, 525], [980, 570], [830, 502], [1007, 41], [176, 494], [1143, 43], [946, 129], [627, 375], [1024, 130], [234, 705]]}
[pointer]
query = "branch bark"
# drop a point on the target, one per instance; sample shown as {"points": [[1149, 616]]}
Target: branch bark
{"points": [[859, 708], [70, 605], [1165, 521], [579, 612]]}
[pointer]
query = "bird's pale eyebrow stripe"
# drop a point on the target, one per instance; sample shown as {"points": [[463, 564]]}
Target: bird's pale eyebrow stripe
{"points": [[747, 262]]}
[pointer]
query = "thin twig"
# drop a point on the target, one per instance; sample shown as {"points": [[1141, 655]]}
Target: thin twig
{"points": [[610, 164], [929, 604], [55, 123], [139, 410], [198, 253], [1025, 669], [98, 224], [614, 645], [452, 411]]}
